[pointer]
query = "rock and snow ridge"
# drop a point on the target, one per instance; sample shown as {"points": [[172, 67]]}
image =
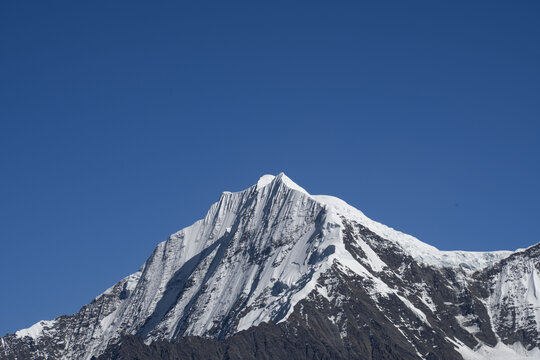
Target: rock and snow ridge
{"points": [[253, 258]]}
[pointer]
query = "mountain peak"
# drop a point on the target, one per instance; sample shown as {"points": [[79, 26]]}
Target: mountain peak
{"points": [[264, 180], [265, 253], [281, 178]]}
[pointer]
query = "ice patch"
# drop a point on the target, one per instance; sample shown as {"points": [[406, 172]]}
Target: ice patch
{"points": [[463, 320]]}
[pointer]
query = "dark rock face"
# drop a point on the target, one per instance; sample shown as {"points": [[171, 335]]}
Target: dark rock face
{"points": [[348, 327], [458, 296], [347, 323], [514, 319], [79, 326]]}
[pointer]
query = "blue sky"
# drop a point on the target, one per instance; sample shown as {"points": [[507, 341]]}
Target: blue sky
{"points": [[122, 122]]}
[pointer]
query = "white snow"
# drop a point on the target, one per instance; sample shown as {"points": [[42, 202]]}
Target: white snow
{"points": [[428, 301], [419, 250], [419, 313], [36, 330], [264, 180], [291, 184], [428, 254], [464, 320], [501, 351], [516, 286], [107, 320]]}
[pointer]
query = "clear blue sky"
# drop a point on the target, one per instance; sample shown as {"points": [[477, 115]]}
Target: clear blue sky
{"points": [[121, 122]]}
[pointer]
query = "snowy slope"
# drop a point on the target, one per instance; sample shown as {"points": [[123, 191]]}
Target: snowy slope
{"points": [[255, 255], [430, 255]]}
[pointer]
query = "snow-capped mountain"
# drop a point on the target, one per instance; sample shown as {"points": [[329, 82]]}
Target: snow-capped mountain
{"points": [[275, 270]]}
